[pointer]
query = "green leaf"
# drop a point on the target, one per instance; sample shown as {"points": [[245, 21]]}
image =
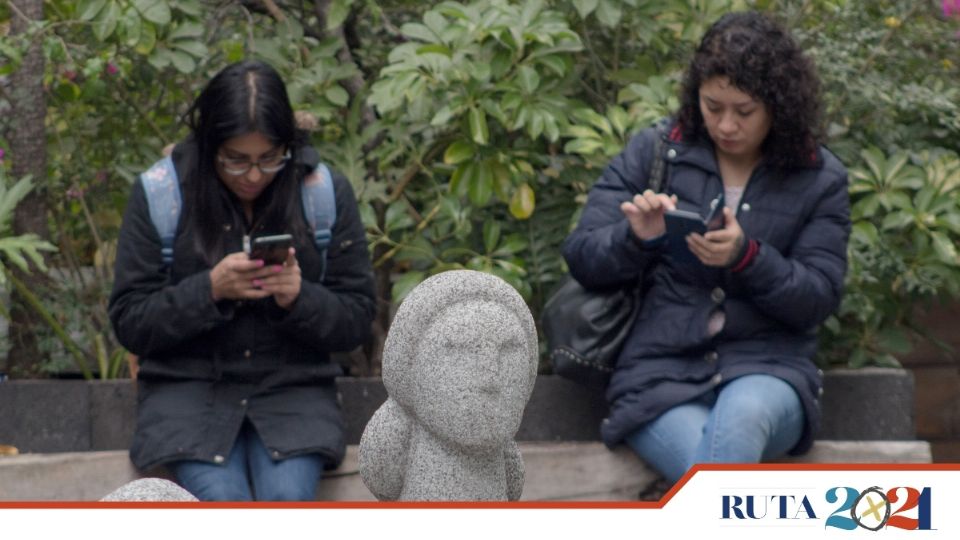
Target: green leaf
{"points": [[462, 177], [187, 30], [478, 126], [420, 32], [609, 13], [194, 48], [480, 188], [555, 64], [155, 11], [89, 9], [585, 7], [131, 27], [107, 21], [523, 202], [337, 95], [511, 245], [434, 48], [945, 249], [182, 61], [339, 11], [491, 235], [582, 146], [189, 7], [896, 220], [501, 180], [396, 217], [148, 39], [458, 152], [404, 284], [528, 78], [442, 116]]}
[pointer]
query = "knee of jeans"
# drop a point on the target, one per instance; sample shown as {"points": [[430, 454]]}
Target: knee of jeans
{"points": [[291, 492], [220, 491]]}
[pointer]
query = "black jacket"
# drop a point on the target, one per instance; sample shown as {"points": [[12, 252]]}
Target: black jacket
{"points": [[773, 306], [206, 366]]}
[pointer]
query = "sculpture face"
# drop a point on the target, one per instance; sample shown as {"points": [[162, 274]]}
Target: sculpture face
{"points": [[471, 375]]}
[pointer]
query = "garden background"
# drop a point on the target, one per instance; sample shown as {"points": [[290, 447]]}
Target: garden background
{"points": [[471, 133]]}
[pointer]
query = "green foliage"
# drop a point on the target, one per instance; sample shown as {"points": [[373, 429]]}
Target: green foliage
{"points": [[906, 224], [471, 131], [23, 249]]}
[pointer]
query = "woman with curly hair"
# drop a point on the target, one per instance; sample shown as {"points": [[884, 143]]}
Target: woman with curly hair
{"points": [[718, 365]]}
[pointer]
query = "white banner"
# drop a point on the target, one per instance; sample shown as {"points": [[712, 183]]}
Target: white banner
{"points": [[742, 502]]}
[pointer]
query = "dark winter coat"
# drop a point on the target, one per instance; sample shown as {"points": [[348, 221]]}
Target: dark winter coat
{"points": [[207, 366], [773, 306]]}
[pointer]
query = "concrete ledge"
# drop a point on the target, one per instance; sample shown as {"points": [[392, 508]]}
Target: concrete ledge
{"points": [[76, 416], [573, 471]]}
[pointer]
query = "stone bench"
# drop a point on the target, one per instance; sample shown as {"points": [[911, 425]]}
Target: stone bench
{"points": [[73, 440], [574, 471]]}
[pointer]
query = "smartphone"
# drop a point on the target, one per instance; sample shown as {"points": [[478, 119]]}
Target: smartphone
{"points": [[680, 223], [271, 249]]}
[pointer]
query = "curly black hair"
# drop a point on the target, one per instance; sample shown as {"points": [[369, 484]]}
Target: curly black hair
{"points": [[761, 59]]}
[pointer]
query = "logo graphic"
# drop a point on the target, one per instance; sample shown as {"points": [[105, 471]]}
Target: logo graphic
{"points": [[845, 508]]}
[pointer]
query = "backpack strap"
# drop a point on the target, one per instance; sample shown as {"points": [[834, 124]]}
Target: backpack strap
{"points": [[162, 187], [320, 209]]}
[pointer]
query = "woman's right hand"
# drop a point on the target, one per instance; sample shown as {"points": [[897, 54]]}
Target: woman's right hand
{"points": [[645, 213], [233, 278]]}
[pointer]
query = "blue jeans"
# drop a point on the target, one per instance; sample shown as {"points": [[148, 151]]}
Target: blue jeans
{"points": [[752, 418], [291, 479]]}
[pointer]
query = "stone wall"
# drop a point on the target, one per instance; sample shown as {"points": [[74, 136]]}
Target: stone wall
{"points": [[78, 416]]}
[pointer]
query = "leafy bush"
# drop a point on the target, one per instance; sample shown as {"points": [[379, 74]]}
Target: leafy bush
{"points": [[471, 131]]}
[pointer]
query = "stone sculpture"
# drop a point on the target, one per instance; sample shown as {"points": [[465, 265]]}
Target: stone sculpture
{"points": [[459, 365], [150, 489]]}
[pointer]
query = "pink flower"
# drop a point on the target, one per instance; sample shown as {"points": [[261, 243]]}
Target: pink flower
{"points": [[112, 69], [1, 154], [951, 8]]}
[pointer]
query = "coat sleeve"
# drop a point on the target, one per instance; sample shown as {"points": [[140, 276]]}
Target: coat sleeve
{"points": [[603, 251], [801, 290], [148, 313], [336, 315]]}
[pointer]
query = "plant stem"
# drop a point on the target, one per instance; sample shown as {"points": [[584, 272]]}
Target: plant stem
{"points": [[65, 338]]}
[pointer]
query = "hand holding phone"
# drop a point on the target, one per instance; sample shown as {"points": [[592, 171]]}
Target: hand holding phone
{"points": [[271, 249], [681, 223]]}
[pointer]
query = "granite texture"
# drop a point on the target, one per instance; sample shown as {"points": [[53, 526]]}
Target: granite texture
{"points": [[459, 365], [150, 490]]}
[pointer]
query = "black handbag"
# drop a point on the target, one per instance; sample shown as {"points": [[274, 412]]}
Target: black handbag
{"points": [[586, 329]]}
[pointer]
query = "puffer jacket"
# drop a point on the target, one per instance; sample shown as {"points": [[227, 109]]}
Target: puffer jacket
{"points": [[206, 367], [773, 307]]}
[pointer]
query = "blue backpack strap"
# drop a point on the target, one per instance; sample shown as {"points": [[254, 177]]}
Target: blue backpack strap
{"points": [[162, 187], [320, 209]]}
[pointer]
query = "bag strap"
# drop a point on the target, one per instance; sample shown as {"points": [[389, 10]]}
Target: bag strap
{"points": [[162, 187], [320, 209], [657, 176]]}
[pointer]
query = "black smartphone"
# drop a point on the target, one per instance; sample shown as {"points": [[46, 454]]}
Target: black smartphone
{"points": [[271, 249], [680, 223]]}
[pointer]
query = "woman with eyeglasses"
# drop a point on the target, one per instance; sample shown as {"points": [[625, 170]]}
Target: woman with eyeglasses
{"points": [[236, 392]]}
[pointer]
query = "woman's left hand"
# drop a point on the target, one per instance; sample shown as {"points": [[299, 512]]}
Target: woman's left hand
{"points": [[719, 248], [284, 284]]}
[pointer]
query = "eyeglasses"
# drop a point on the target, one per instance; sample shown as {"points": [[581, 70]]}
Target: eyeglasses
{"points": [[237, 167]]}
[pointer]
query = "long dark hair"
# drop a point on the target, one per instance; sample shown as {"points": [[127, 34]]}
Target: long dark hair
{"points": [[761, 59], [242, 98]]}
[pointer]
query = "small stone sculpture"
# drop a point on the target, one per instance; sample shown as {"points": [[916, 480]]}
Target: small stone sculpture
{"points": [[459, 365], [150, 489]]}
